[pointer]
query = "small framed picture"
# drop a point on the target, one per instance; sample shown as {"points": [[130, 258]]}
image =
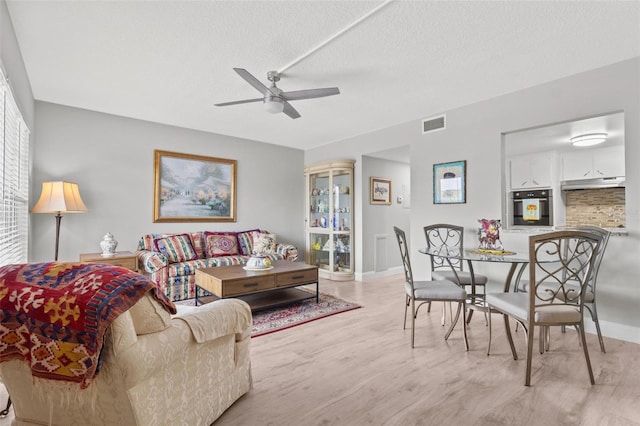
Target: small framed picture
{"points": [[450, 182], [380, 191]]}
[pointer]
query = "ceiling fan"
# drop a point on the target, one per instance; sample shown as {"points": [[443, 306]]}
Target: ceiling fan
{"points": [[275, 100]]}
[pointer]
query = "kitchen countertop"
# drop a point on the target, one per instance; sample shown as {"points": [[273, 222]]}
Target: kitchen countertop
{"points": [[532, 230]]}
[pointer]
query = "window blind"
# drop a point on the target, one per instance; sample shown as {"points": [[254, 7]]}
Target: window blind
{"points": [[14, 179]]}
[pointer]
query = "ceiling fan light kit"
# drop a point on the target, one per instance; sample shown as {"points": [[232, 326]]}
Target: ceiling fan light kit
{"points": [[273, 104], [274, 99]]}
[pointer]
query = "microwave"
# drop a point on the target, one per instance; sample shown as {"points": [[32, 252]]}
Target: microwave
{"points": [[532, 208]]}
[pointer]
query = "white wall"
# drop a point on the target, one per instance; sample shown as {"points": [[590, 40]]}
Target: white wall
{"points": [[355, 149], [15, 71], [379, 219], [112, 160], [13, 66], [474, 133]]}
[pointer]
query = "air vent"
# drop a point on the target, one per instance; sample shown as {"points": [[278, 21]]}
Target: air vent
{"points": [[433, 124]]}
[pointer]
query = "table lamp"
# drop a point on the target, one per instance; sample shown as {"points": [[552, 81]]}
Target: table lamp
{"points": [[59, 197]]}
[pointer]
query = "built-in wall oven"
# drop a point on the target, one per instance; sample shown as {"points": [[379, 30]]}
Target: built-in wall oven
{"points": [[532, 208]]}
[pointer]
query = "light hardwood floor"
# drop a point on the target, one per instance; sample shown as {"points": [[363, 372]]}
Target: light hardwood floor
{"points": [[357, 368]]}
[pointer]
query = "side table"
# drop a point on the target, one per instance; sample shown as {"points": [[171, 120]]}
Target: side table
{"points": [[125, 259]]}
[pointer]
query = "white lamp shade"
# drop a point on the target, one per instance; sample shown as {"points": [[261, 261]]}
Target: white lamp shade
{"points": [[59, 197]]}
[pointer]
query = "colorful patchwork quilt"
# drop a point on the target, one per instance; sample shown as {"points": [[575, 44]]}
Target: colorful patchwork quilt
{"points": [[54, 315]]}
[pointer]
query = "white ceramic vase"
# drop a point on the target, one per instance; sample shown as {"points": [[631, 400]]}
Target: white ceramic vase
{"points": [[108, 245]]}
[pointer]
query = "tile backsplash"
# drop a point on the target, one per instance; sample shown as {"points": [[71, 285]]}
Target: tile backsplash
{"points": [[600, 207]]}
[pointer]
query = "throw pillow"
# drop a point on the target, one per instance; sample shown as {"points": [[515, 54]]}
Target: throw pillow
{"points": [[264, 243], [197, 239], [245, 241], [220, 244], [176, 248]]}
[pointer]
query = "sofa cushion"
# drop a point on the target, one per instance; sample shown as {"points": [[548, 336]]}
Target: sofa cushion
{"points": [[149, 316], [218, 244], [245, 241], [176, 248], [197, 238], [263, 243], [189, 268]]}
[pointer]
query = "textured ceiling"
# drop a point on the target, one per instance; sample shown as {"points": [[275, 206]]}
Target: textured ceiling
{"points": [[170, 61]]}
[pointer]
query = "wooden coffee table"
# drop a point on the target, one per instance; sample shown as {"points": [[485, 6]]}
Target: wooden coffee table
{"points": [[260, 289]]}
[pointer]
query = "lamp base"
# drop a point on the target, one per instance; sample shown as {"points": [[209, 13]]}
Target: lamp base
{"points": [[58, 219]]}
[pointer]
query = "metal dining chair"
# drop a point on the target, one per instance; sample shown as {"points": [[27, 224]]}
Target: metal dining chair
{"points": [[590, 295], [452, 236], [566, 258], [429, 291]]}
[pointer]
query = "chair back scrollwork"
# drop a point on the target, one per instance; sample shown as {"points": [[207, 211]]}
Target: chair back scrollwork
{"points": [[445, 235], [563, 265]]}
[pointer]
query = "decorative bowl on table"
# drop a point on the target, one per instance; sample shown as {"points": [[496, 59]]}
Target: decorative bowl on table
{"points": [[258, 262]]}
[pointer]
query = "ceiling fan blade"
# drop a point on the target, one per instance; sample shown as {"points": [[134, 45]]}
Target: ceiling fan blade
{"points": [[253, 81], [310, 93], [290, 111], [246, 101]]}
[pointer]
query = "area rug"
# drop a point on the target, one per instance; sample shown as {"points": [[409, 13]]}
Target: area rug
{"points": [[271, 320]]}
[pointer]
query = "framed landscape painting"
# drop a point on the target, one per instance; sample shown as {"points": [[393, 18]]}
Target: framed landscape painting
{"points": [[450, 182], [193, 188], [380, 191]]}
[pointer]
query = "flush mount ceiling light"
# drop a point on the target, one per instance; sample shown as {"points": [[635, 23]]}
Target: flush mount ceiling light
{"points": [[589, 139]]}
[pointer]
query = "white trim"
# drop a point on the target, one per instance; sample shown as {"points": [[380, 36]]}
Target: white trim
{"points": [[613, 330], [370, 276]]}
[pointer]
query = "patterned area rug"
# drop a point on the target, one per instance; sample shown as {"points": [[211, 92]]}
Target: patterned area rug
{"points": [[271, 320]]}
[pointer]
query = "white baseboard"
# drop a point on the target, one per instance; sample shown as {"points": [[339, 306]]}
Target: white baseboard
{"points": [[370, 276], [613, 330]]}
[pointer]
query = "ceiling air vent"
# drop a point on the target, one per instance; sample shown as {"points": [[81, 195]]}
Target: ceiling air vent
{"points": [[433, 124]]}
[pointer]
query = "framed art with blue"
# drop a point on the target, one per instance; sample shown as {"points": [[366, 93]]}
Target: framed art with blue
{"points": [[450, 183]]}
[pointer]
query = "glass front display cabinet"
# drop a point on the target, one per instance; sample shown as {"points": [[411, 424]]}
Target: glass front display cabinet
{"points": [[329, 221]]}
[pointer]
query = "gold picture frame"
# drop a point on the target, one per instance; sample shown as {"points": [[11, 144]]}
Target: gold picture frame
{"points": [[380, 191], [193, 188]]}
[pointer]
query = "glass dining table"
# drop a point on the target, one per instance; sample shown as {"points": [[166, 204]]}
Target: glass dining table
{"points": [[517, 262], [476, 301]]}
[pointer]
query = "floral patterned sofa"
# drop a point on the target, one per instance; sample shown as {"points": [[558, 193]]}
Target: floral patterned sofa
{"points": [[171, 260]]}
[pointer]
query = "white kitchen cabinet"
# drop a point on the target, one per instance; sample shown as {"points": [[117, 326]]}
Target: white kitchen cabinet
{"points": [[531, 171], [593, 163]]}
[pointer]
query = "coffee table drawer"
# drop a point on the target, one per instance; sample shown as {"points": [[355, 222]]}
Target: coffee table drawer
{"points": [[297, 277], [249, 285]]}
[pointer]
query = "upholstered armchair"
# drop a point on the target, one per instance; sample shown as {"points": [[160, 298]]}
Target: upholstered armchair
{"points": [[157, 369]]}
